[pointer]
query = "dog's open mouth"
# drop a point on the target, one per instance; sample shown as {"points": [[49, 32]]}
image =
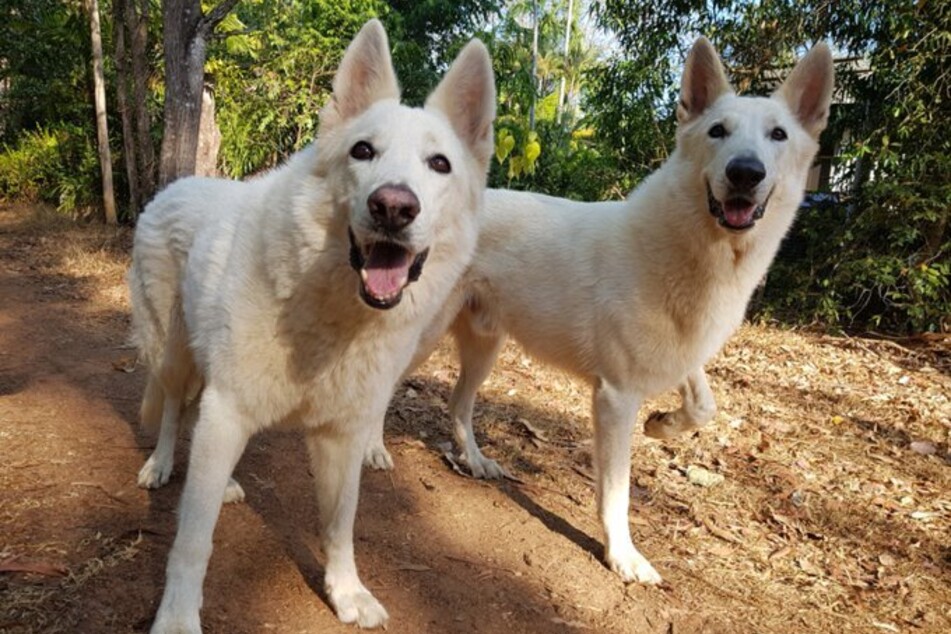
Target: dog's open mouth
{"points": [[385, 269], [737, 212]]}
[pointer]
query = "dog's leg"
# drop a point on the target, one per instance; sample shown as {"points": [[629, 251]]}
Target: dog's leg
{"points": [[335, 454], [614, 414], [150, 412], [376, 456], [233, 492], [477, 355], [698, 408], [219, 439], [176, 372], [158, 468]]}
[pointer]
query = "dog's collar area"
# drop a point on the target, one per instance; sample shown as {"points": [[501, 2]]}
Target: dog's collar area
{"points": [[716, 210], [358, 261]]}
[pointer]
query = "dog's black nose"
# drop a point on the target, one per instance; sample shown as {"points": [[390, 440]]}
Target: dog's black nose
{"points": [[393, 206], [745, 172]]}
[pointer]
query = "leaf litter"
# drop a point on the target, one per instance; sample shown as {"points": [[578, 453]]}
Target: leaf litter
{"points": [[831, 492], [833, 513]]}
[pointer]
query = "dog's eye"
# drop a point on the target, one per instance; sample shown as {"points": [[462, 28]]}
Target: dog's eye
{"points": [[717, 131], [778, 134], [439, 163], [362, 151]]}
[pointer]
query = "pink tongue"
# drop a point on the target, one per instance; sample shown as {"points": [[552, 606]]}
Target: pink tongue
{"points": [[738, 214], [387, 269]]}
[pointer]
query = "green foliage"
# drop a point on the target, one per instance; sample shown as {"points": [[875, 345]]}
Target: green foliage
{"points": [[554, 159], [523, 160], [630, 106], [561, 155], [272, 77], [426, 35], [56, 165], [44, 57], [890, 270]]}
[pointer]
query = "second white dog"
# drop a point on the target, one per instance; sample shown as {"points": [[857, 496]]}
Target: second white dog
{"points": [[636, 296]]}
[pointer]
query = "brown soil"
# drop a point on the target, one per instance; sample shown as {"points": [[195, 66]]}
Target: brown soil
{"points": [[829, 519]]}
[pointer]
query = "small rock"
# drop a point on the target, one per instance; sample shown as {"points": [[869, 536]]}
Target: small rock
{"points": [[797, 498], [702, 477], [923, 447], [809, 568]]}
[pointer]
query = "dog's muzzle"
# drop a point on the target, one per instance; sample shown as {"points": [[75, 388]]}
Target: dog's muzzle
{"points": [[738, 213], [386, 268]]}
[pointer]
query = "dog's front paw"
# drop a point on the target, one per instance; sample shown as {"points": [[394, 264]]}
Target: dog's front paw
{"points": [[633, 566], [359, 607], [233, 492], [377, 457], [485, 468], [155, 472]]}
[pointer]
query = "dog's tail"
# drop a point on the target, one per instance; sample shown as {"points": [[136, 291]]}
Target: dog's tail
{"points": [[147, 336]]}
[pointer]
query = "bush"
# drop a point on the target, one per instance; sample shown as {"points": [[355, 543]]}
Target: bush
{"points": [[57, 165], [861, 264]]}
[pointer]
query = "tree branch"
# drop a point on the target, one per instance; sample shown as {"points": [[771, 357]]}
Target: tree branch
{"points": [[214, 17], [223, 35]]}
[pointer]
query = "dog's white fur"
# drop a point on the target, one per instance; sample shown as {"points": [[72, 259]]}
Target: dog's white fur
{"points": [[636, 296], [248, 290]]}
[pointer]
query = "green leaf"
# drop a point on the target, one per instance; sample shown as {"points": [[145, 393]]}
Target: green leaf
{"points": [[504, 145]]}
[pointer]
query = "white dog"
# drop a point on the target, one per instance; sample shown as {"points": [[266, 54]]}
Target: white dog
{"points": [[300, 297], [636, 296]]}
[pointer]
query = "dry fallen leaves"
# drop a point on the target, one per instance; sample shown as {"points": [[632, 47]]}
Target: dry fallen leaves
{"points": [[413, 567], [49, 569], [125, 364]]}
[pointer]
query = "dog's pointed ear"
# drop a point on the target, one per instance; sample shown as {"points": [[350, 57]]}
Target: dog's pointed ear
{"points": [[466, 95], [703, 81], [808, 89], [364, 77]]}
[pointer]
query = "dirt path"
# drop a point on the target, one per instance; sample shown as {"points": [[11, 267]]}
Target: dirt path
{"points": [[829, 518]]}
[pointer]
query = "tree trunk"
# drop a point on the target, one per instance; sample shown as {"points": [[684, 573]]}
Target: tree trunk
{"points": [[102, 129], [137, 29], [934, 233], [209, 137], [122, 100], [186, 33], [531, 108], [562, 88]]}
